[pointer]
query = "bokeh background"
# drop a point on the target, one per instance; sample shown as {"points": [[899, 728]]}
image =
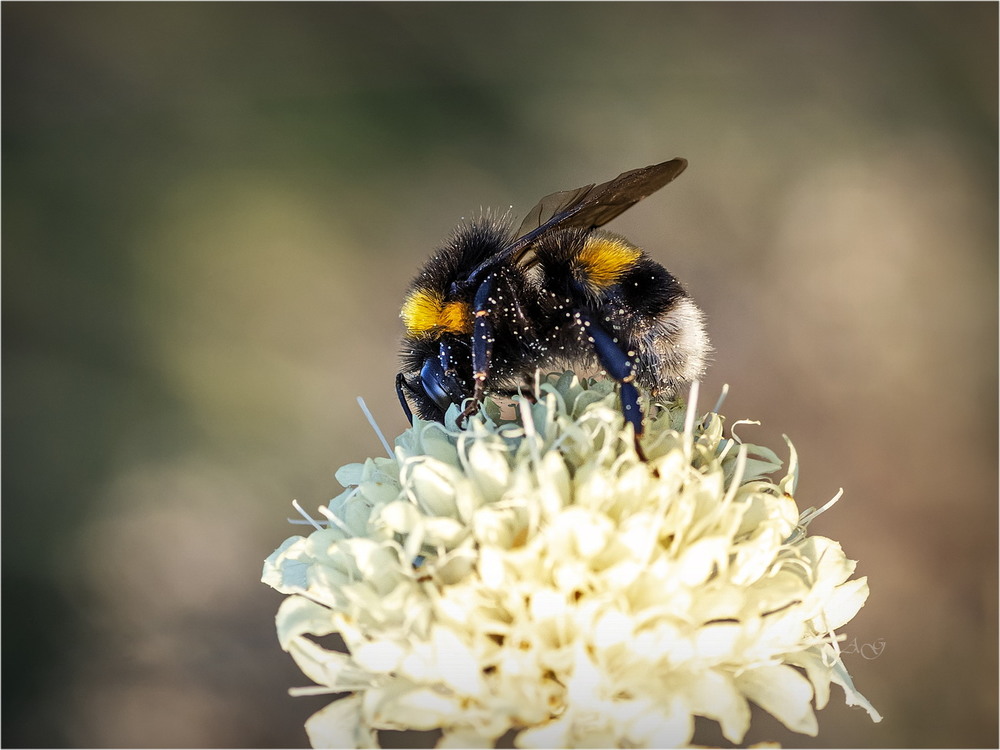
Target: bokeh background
{"points": [[211, 213]]}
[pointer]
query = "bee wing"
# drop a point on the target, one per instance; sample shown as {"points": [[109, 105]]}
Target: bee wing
{"points": [[593, 206], [588, 207], [552, 206]]}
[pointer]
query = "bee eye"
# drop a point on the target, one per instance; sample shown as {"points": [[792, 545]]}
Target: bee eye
{"points": [[441, 387]]}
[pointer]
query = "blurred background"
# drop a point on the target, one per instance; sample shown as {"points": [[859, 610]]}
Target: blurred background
{"points": [[211, 213]]}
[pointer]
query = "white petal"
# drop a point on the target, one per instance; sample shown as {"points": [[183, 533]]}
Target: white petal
{"points": [[776, 591], [283, 570], [714, 695], [553, 483], [489, 468], [331, 668], [378, 563], [350, 475], [817, 670], [433, 484], [337, 725], [553, 734], [717, 642], [458, 665], [632, 490], [400, 517], [408, 707], [828, 558], [437, 444], [443, 532], [755, 556], [372, 494], [593, 487], [454, 566], [657, 727], [784, 693], [701, 559], [380, 657], [546, 604], [298, 615], [611, 629], [498, 527], [845, 602], [764, 462], [459, 738], [590, 532], [491, 567], [356, 511]]}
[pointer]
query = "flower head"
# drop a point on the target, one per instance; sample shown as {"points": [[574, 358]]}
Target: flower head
{"points": [[537, 575]]}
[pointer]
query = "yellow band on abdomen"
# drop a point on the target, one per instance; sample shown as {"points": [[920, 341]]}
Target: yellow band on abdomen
{"points": [[603, 260]]}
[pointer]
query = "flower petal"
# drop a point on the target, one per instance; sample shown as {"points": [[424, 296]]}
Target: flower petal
{"points": [[339, 725], [782, 692]]}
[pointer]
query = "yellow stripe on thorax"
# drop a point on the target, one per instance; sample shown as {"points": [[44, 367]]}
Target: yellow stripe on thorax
{"points": [[426, 312], [604, 259]]}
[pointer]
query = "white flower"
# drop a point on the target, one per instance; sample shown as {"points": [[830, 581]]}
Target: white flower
{"points": [[538, 576]]}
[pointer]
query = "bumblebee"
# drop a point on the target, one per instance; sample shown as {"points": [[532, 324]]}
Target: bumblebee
{"points": [[494, 304]]}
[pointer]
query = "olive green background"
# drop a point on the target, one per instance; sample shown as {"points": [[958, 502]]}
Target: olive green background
{"points": [[210, 215]]}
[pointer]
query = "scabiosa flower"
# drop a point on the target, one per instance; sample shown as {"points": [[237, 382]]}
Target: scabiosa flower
{"points": [[536, 576]]}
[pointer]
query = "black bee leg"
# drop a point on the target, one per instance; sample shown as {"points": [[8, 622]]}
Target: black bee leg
{"points": [[619, 365], [473, 403], [482, 342], [400, 384]]}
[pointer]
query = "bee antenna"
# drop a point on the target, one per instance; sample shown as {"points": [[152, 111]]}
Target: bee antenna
{"points": [[374, 424]]}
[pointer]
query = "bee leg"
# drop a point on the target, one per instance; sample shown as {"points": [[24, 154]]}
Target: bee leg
{"points": [[619, 365], [482, 341], [400, 383], [474, 402]]}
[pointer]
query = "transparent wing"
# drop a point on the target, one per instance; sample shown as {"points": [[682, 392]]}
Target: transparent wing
{"points": [[585, 207], [595, 205]]}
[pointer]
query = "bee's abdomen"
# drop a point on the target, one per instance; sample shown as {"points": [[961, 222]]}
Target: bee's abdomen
{"points": [[649, 288], [603, 260], [676, 347]]}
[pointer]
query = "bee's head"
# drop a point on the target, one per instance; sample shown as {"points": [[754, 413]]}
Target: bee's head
{"points": [[441, 387], [431, 390]]}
